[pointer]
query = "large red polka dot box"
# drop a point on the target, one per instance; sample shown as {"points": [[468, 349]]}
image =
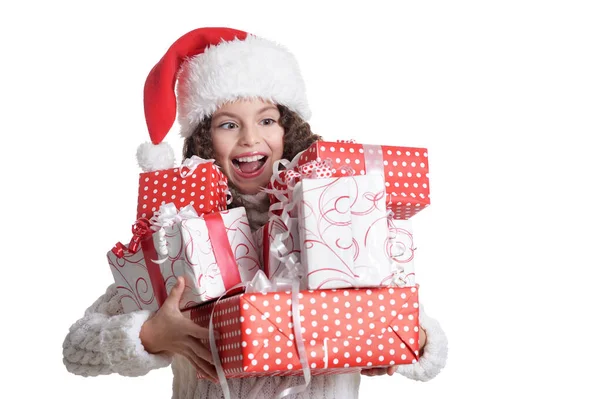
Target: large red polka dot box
{"points": [[342, 330], [196, 182], [405, 169]]}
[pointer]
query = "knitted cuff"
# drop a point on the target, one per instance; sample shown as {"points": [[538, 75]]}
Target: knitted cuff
{"points": [[120, 341], [435, 352]]}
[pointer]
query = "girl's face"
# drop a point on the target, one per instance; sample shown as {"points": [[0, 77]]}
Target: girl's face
{"points": [[247, 140]]}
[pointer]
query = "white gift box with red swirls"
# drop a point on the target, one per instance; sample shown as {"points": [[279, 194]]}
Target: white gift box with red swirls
{"points": [[212, 255], [133, 281], [345, 232]]}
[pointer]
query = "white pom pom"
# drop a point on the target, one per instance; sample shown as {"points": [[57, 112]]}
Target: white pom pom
{"points": [[152, 157]]}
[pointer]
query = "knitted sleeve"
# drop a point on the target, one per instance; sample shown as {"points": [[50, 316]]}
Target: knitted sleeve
{"points": [[435, 352], [106, 340]]}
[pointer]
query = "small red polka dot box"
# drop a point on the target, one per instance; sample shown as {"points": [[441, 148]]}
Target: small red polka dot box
{"points": [[405, 169], [342, 330], [199, 183]]}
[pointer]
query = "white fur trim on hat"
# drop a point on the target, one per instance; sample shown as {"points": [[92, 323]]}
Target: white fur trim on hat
{"points": [[250, 68]]}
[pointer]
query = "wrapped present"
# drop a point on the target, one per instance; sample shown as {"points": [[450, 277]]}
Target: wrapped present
{"points": [[344, 232], [405, 169], [140, 285], [213, 252], [341, 330], [273, 262], [196, 182]]}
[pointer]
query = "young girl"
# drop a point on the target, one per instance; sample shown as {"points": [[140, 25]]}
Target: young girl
{"points": [[241, 101]]}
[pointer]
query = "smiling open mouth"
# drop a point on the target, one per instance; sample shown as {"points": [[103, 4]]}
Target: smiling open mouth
{"points": [[249, 165]]}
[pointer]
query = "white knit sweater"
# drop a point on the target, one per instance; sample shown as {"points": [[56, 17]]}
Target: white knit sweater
{"points": [[106, 340]]}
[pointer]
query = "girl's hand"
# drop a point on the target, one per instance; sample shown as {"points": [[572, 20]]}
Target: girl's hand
{"points": [[375, 371], [169, 331]]}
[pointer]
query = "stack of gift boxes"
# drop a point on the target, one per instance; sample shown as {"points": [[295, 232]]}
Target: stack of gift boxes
{"points": [[326, 286]]}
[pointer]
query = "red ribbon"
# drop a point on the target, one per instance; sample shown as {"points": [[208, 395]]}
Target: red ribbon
{"points": [[222, 250], [119, 250], [141, 231], [266, 248]]}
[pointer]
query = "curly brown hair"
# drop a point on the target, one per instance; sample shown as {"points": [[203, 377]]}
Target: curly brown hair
{"points": [[296, 138]]}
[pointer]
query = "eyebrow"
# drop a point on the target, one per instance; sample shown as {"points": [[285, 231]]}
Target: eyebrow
{"points": [[230, 115]]}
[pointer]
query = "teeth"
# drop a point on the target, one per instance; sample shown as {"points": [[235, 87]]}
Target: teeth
{"points": [[250, 159]]}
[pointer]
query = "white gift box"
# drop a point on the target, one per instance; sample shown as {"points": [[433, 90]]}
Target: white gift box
{"points": [[345, 232], [213, 252]]}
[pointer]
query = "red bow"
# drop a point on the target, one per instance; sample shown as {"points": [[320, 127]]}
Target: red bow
{"points": [[140, 230]]}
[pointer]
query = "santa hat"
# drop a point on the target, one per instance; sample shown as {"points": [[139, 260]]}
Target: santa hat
{"points": [[211, 67]]}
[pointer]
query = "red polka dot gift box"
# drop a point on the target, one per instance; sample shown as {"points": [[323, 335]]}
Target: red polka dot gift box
{"points": [[342, 330], [405, 169], [198, 182]]}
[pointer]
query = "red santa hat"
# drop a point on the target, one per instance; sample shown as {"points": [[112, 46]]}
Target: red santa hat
{"points": [[212, 66]]}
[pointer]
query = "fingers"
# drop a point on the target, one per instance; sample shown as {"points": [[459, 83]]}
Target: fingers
{"points": [[377, 371], [203, 358], [196, 331], [368, 372], [199, 350], [209, 369], [204, 369], [196, 365], [174, 297]]}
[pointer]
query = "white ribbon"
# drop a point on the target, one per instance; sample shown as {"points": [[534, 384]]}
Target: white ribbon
{"points": [[166, 216], [397, 249], [191, 164], [260, 283], [297, 389], [373, 155], [292, 274]]}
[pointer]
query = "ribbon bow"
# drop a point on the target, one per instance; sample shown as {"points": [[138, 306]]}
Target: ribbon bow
{"points": [[119, 250], [317, 169], [167, 215], [191, 164], [291, 177], [140, 230]]}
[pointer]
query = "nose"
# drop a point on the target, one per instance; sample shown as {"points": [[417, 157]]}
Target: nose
{"points": [[249, 135]]}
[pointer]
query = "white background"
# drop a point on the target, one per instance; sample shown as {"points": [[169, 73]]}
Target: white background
{"points": [[505, 95]]}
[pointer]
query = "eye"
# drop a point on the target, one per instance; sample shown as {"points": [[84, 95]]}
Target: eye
{"points": [[227, 125], [268, 121]]}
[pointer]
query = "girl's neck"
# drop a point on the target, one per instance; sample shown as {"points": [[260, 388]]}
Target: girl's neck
{"points": [[257, 206]]}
